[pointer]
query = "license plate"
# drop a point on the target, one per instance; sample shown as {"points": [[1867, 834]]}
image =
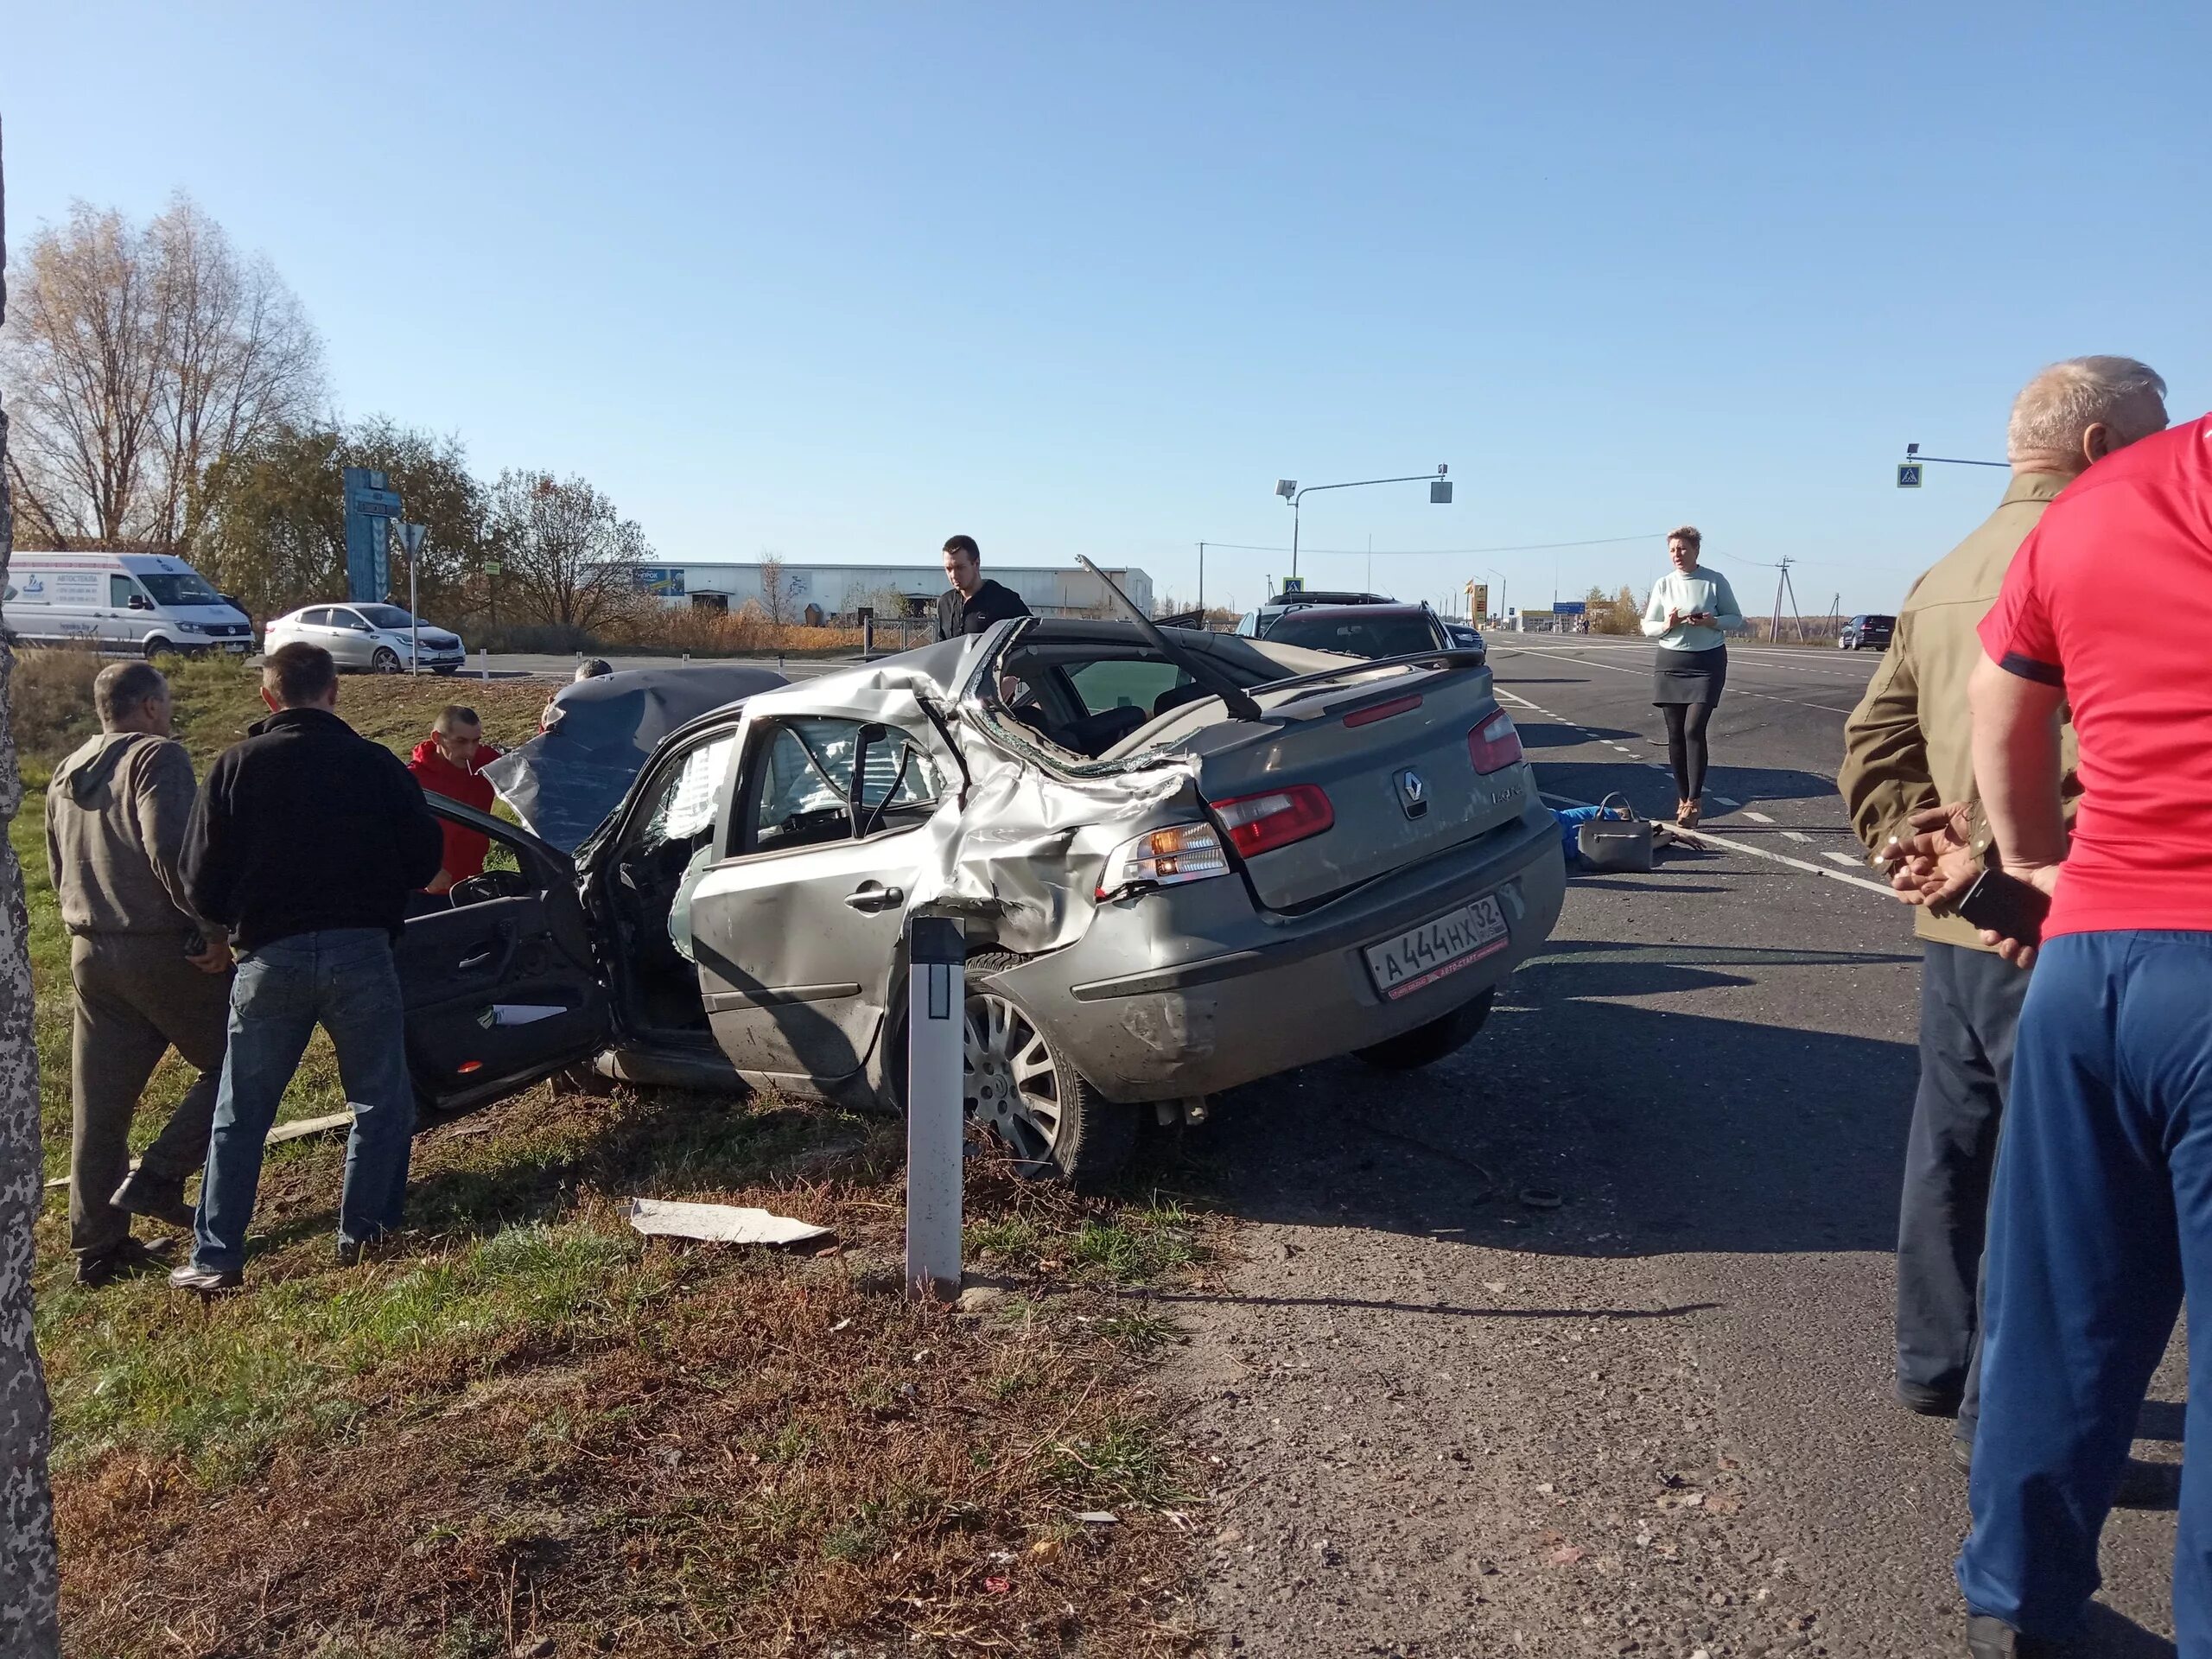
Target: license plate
{"points": [[1422, 956], [235, 646]]}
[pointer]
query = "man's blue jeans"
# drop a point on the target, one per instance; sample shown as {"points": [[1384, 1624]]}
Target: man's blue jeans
{"points": [[344, 980], [2102, 1215]]}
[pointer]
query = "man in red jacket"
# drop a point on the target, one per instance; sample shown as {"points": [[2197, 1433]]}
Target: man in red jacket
{"points": [[450, 762]]}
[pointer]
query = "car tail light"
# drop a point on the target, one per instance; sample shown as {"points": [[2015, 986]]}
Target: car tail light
{"points": [[1257, 824], [1375, 711], [1163, 858], [1494, 745]]}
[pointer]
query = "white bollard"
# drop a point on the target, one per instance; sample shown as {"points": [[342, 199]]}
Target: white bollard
{"points": [[936, 1130], [484, 661]]}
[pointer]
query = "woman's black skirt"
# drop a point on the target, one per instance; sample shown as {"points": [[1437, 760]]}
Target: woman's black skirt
{"points": [[1688, 675]]}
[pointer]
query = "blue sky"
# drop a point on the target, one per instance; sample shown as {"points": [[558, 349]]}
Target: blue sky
{"points": [[839, 280]]}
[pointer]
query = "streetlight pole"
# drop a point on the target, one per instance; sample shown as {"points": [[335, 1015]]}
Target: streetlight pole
{"points": [[1500, 575], [1202, 584], [1439, 495]]}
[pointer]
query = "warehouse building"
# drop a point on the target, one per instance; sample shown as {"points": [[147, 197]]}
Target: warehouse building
{"points": [[832, 592]]}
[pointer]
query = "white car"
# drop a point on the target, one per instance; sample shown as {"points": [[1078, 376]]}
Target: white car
{"points": [[377, 639]]}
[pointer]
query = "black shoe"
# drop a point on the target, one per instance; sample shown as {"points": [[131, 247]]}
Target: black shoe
{"points": [[2142, 1485], [353, 1252], [124, 1260], [208, 1282], [1928, 1403], [1992, 1638], [142, 1194]]}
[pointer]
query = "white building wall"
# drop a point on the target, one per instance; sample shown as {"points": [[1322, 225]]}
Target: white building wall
{"points": [[837, 588]]}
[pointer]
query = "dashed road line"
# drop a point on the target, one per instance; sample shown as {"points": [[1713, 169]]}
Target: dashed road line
{"points": [[1798, 835], [1722, 800], [1844, 859], [1614, 668], [1702, 833], [1758, 818]]}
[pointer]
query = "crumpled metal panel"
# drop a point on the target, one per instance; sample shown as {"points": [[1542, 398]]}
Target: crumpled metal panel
{"points": [[564, 782], [1020, 848]]}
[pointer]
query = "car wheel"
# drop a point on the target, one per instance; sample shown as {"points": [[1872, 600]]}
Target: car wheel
{"points": [[386, 661], [1426, 1044], [158, 646], [1013, 1084]]}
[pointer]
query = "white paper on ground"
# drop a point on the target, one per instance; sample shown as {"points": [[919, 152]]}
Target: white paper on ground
{"points": [[723, 1224]]}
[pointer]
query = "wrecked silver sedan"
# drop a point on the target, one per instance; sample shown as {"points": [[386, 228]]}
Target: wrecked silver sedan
{"points": [[1180, 866]]}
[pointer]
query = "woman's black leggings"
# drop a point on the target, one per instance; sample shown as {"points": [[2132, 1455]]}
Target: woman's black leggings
{"points": [[1685, 723]]}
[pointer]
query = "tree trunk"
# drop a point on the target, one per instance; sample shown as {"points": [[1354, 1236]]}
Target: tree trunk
{"points": [[29, 1619]]}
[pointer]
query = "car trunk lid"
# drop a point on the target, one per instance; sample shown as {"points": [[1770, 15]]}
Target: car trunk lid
{"points": [[1354, 777]]}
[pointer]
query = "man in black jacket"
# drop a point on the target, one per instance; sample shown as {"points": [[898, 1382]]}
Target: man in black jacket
{"points": [[306, 842], [973, 602]]}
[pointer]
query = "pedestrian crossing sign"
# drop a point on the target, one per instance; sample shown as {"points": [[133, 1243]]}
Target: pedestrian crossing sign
{"points": [[1908, 475]]}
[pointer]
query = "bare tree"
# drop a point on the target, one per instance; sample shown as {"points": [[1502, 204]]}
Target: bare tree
{"points": [[139, 358], [571, 558], [775, 595], [29, 1621]]}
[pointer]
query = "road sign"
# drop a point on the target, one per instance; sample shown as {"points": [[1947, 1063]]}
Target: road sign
{"points": [[1478, 599], [1294, 584], [410, 537], [1908, 475], [1570, 607], [378, 504], [1440, 493], [493, 567]]}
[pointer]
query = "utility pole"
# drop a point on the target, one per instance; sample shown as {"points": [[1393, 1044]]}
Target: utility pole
{"points": [[1202, 584], [1783, 584]]}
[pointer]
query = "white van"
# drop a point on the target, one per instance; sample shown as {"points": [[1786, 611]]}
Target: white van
{"points": [[123, 604]]}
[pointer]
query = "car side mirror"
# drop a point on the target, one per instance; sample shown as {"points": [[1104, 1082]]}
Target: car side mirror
{"points": [[140, 602]]}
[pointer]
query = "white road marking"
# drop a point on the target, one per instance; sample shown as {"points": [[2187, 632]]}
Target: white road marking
{"points": [[1722, 800], [1704, 834], [1758, 818], [1614, 668], [1798, 835], [1844, 859]]}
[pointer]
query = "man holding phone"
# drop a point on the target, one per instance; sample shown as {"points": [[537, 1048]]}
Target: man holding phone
{"points": [[1907, 780], [2102, 1212]]}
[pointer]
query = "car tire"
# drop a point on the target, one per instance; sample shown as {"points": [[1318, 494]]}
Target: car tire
{"points": [[1034, 1102], [158, 646], [1426, 1044], [385, 661]]}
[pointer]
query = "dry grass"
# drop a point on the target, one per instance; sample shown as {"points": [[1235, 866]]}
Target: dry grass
{"points": [[534, 1426], [51, 700]]}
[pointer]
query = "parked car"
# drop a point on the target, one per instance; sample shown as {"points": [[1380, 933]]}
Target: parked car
{"points": [[376, 639], [1866, 633], [1467, 637], [1255, 624], [1182, 863], [120, 604], [1367, 630]]}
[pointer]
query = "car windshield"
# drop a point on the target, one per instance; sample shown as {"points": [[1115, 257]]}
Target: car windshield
{"points": [[1355, 636], [384, 616], [174, 589]]}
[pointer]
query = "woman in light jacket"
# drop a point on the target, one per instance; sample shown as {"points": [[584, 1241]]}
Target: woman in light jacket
{"points": [[1691, 610]]}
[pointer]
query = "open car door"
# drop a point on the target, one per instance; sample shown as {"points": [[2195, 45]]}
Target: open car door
{"points": [[501, 988]]}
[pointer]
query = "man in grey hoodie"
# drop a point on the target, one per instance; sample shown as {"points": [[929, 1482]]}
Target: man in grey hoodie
{"points": [[149, 974]]}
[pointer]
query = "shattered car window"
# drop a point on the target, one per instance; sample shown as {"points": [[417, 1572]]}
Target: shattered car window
{"points": [[686, 802], [806, 793]]}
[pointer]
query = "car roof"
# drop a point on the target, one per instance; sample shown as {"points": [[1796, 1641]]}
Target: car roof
{"points": [[1390, 607]]}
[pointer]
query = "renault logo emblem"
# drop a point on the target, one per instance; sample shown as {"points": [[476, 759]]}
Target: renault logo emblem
{"points": [[1412, 794]]}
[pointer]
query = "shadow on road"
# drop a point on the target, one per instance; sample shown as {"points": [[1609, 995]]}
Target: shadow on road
{"points": [[1653, 792], [1661, 1130]]}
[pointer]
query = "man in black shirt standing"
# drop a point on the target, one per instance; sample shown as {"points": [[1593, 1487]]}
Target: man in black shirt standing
{"points": [[306, 842], [971, 604]]}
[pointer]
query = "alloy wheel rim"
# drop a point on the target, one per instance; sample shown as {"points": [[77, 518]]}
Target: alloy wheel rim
{"points": [[1009, 1081]]}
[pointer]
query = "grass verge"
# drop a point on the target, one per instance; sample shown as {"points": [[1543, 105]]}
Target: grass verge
{"points": [[527, 1429]]}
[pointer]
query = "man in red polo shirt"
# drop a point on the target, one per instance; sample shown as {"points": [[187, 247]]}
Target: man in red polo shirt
{"points": [[2102, 1211], [450, 762]]}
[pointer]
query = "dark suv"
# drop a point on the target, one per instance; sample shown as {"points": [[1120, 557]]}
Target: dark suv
{"points": [[1866, 633]]}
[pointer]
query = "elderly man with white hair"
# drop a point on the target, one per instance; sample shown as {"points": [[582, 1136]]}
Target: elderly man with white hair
{"points": [[1907, 780]]}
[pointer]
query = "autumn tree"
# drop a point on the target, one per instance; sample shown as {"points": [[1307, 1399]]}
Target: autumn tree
{"points": [[273, 526], [30, 1624], [570, 557], [138, 358]]}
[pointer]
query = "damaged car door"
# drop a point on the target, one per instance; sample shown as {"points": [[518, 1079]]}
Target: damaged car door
{"points": [[501, 987], [796, 931]]}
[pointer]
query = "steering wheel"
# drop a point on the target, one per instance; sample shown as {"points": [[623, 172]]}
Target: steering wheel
{"points": [[490, 884]]}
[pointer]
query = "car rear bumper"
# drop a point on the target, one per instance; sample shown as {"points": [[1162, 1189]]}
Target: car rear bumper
{"points": [[1230, 996]]}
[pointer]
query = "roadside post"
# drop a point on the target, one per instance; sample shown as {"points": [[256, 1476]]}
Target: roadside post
{"points": [[867, 633], [936, 1028]]}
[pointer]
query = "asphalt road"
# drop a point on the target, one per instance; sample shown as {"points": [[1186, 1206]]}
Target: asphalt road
{"points": [[1656, 1419]]}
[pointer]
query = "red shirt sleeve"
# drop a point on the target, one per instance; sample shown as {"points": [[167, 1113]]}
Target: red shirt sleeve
{"points": [[2017, 633]]}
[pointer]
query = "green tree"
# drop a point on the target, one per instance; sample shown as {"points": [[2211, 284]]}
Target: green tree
{"points": [[570, 557], [271, 521]]}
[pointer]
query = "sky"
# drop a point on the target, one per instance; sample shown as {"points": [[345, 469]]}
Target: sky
{"points": [[838, 280]]}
